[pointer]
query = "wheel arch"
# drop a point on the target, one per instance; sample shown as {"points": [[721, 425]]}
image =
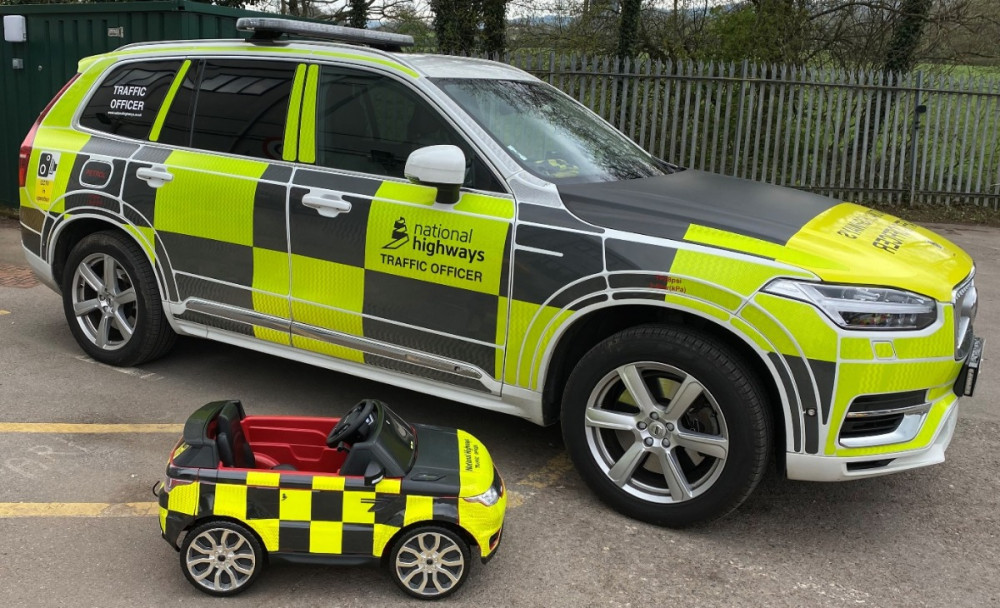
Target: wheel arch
{"points": [[69, 232], [589, 329], [438, 523], [211, 517]]}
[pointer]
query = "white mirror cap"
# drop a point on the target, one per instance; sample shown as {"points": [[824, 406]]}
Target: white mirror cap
{"points": [[436, 165]]}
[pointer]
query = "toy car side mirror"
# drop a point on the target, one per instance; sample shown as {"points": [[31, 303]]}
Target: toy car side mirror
{"points": [[440, 166], [374, 473]]}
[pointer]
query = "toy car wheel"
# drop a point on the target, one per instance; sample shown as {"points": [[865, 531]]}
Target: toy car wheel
{"points": [[112, 303], [666, 425], [221, 558], [429, 562]]}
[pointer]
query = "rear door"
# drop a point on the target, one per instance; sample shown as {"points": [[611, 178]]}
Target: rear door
{"points": [[380, 272], [218, 169]]}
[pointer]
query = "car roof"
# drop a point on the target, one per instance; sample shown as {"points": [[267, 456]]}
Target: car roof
{"points": [[415, 65]]}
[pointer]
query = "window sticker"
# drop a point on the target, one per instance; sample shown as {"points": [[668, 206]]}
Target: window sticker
{"points": [[127, 100], [48, 162]]}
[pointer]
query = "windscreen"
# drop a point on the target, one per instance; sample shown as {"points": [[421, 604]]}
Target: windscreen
{"points": [[549, 134]]}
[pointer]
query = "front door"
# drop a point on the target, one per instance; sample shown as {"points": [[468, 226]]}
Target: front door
{"points": [[380, 272]]}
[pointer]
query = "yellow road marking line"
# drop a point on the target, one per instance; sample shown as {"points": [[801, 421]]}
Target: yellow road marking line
{"points": [[4, 312], [59, 427], [77, 509]]}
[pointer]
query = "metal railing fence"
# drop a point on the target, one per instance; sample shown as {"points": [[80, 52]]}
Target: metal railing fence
{"points": [[863, 136]]}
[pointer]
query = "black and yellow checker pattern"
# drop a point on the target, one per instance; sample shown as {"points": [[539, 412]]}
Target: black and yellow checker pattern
{"points": [[302, 513]]}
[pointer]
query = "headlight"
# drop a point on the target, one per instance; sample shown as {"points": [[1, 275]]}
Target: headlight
{"points": [[855, 307], [488, 498]]}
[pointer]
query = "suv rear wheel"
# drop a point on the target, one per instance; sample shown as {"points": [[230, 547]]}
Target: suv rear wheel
{"points": [[666, 425], [112, 303]]}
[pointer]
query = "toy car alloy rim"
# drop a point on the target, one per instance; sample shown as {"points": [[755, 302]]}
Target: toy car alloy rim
{"points": [[220, 559], [104, 301], [430, 564], [656, 432]]}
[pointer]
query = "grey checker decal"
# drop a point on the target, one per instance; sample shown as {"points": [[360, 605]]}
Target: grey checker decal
{"points": [[554, 217], [825, 372], [152, 154], [793, 401], [479, 355], [808, 401], [423, 372], [236, 327], [629, 255], [293, 536], [115, 148], [537, 275], [569, 295], [137, 193], [32, 241], [339, 239], [357, 539], [269, 230], [207, 257], [32, 218], [439, 307], [195, 287]]}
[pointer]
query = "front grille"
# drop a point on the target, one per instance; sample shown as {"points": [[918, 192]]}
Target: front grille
{"points": [[965, 300], [878, 419], [865, 427]]}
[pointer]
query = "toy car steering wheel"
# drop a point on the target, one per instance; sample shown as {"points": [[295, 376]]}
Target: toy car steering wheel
{"points": [[347, 430]]}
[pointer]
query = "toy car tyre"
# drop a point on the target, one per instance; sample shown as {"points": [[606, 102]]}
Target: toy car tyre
{"points": [[429, 562], [221, 558], [112, 303], [667, 425]]}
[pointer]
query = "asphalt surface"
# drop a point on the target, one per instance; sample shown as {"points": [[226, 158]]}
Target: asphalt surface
{"points": [[921, 538]]}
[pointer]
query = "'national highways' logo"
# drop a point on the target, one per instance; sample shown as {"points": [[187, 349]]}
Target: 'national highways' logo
{"points": [[400, 236]]}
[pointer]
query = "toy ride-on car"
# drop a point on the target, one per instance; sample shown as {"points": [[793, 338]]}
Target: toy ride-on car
{"points": [[369, 487]]}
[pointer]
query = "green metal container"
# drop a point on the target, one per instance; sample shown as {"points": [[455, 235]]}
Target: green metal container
{"points": [[59, 35]]}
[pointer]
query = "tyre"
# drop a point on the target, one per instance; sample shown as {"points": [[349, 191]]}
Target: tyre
{"points": [[112, 302], [221, 558], [429, 562], [666, 425]]}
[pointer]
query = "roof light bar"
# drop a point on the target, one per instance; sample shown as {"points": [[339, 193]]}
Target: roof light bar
{"points": [[268, 28]]}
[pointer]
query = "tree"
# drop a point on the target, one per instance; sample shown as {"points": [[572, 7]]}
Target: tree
{"points": [[494, 36], [628, 28], [358, 14]]}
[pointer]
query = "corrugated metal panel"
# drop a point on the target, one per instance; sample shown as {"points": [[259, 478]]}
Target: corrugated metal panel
{"points": [[59, 35]]}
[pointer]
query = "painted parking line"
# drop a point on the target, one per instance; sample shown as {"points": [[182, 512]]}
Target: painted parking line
{"points": [[67, 428], [128, 371], [4, 312], [543, 478], [9, 510]]}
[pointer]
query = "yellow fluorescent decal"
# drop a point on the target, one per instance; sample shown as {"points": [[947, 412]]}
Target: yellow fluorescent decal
{"points": [[307, 124], [874, 248], [292, 123], [431, 244], [475, 466], [154, 134]]}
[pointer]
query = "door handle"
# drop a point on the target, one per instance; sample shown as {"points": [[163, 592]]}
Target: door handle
{"points": [[326, 202], [155, 176]]}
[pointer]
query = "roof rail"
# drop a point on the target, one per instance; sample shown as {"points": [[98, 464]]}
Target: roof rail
{"points": [[269, 28]]}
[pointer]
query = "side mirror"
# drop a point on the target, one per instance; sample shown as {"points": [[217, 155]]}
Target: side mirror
{"points": [[373, 473], [440, 166]]}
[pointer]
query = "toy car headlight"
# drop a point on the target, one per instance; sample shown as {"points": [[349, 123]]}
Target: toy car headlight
{"points": [[488, 498], [859, 307]]}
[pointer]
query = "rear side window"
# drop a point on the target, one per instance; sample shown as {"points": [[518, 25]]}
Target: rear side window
{"points": [[127, 101], [232, 106]]}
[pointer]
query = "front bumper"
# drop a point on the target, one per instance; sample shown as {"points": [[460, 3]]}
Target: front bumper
{"points": [[810, 467]]}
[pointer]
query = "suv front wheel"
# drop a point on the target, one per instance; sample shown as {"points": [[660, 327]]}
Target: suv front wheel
{"points": [[112, 303], [666, 425]]}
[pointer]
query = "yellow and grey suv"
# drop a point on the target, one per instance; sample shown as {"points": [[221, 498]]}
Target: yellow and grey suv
{"points": [[460, 228]]}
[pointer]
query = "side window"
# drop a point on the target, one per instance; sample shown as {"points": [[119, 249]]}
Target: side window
{"points": [[128, 99], [370, 123], [232, 106]]}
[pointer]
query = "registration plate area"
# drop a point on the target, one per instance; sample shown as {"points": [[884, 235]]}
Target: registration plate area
{"points": [[965, 385]]}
